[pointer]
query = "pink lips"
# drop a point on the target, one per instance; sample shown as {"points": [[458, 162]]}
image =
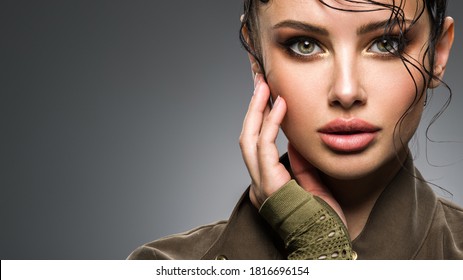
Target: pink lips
{"points": [[348, 135]]}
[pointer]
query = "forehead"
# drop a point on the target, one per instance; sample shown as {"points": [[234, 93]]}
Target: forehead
{"points": [[339, 10]]}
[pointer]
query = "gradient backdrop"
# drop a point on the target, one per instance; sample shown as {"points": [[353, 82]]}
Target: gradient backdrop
{"points": [[120, 123]]}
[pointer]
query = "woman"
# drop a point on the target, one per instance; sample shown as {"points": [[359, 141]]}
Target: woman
{"points": [[347, 83]]}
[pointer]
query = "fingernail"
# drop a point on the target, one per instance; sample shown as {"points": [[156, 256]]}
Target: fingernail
{"points": [[277, 101], [257, 79]]}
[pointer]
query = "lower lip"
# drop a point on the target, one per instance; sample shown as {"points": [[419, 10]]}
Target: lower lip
{"points": [[348, 143]]}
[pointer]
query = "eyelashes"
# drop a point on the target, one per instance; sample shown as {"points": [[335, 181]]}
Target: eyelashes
{"points": [[308, 48], [303, 46], [389, 46]]}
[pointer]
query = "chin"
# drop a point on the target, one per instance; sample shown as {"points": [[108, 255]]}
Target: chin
{"points": [[351, 167], [348, 174]]}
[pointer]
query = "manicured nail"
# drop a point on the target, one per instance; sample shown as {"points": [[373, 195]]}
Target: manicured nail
{"points": [[257, 79], [277, 102]]}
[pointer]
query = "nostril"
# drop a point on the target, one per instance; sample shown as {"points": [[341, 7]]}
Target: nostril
{"points": [[347, 102]]}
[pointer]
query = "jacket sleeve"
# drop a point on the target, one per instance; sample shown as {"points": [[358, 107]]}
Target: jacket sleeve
{"points": [[309, 227]]}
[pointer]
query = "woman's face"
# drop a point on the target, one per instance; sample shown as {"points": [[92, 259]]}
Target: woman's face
{"points": [[345, 91]]}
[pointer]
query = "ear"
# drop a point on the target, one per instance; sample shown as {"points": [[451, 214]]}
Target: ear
{"points": [[255, 67], [442, 51]]}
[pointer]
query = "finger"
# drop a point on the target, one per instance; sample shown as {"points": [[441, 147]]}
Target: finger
{"points": [[257, 109], [270, 129], [273, 173], [252, 124], [306, 174]]}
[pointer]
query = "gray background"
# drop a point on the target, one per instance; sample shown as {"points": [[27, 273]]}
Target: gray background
{"points": [[120, 123]]}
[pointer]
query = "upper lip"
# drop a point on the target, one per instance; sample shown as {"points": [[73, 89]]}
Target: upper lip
{"points": [[348, 126]]}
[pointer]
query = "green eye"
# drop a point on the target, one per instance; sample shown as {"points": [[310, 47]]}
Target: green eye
{"points": [[388, 45], [304, 47]]}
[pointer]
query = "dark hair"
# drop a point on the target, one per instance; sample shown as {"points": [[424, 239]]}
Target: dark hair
{"points": [[436, 10]]}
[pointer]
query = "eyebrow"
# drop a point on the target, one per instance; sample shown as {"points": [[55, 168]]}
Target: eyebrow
{"points": [[374, 26], [299, 25], [304, 26]]}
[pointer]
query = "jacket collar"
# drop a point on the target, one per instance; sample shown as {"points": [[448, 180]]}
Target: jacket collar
{"points": [[396, 227], [400, 219]]}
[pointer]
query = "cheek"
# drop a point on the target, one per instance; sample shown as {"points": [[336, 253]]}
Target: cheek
{"points": [[394, 83], [396, 94], [302, 86], [304, 89]]}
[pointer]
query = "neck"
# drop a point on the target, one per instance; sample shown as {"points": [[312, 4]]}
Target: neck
{"points": [[358, 196]]}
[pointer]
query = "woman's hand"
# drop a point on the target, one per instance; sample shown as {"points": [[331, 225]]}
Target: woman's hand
{"points": [[260, 153], [307, 177], [257, 142]]}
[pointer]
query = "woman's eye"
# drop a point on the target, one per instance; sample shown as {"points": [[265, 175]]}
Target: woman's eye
{"points": [[305, 47], [386, 46]]}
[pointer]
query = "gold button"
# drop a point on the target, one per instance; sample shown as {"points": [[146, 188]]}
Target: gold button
{"points": [[354, 255], [221, 258]]}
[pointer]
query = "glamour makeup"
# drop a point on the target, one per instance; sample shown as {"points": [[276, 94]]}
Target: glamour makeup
{"points": [[348, 135]]}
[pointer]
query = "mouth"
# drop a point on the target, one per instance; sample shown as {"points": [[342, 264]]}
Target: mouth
{"points": [[348, 135]]}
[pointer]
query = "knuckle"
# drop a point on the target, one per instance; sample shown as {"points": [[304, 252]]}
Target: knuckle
{"points": [[243, 141], [247, 147], [241, 138], [260, 143], [263, 140]]}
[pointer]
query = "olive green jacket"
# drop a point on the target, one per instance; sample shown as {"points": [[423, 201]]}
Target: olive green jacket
{"points": [[408, 221]]}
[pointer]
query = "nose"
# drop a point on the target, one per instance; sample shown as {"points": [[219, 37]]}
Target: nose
{"points": [[346, 88]]}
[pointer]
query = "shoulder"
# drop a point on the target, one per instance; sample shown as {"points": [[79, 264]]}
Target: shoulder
{"points": [[190, 245], [447, 230], [452, 216], [451, 208]]}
